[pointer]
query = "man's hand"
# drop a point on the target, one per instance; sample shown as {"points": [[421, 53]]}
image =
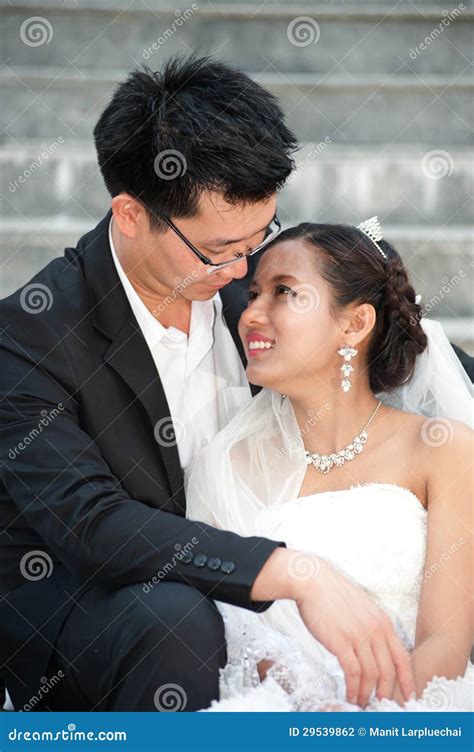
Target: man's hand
{"points": [[343, 618], [263, 667]]}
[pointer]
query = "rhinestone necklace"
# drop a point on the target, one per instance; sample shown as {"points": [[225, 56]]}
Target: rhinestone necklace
{"points": [[324, 462]]}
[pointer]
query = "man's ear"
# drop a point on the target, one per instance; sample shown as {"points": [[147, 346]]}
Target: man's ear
{"points": [[358, 324], [128, 214]]}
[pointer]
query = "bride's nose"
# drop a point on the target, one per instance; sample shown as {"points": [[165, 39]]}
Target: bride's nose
{"points": [[255, 313]]}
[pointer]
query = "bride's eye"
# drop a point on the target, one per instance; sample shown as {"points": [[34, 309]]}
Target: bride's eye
{"points": [[284, 290], [252, 295]]}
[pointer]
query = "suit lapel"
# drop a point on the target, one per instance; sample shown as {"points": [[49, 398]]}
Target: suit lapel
{"points": [[128, 353], [131, 359]]}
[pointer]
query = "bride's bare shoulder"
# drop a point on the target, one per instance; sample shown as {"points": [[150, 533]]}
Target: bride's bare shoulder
{"points": [[446, 446], [433, 435]]}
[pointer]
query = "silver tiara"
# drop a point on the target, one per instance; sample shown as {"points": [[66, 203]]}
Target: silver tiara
{"points": [[371, 228]]}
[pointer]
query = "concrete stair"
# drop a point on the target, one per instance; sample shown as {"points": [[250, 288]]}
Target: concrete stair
{"points": [[385, 125]]}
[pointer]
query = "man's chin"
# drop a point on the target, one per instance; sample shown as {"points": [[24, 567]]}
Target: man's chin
{"points": [[206, 291]]}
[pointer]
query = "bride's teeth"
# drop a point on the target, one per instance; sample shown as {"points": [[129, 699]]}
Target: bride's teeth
{"points": [[258, 345]]}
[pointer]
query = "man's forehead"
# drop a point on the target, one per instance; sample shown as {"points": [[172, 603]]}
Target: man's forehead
{"points": [[215, 207]]}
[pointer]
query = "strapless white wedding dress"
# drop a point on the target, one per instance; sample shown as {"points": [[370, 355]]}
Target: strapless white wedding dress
{"points": [[376, 535]]}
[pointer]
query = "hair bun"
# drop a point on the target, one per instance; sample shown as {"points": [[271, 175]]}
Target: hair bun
{"points": [[399, 336]]}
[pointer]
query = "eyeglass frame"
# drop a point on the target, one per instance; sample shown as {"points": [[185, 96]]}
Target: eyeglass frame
{"points": [[238, 256]]}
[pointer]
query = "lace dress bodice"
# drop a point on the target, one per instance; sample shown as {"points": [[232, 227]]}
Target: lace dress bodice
{"points": [[375, 535]]}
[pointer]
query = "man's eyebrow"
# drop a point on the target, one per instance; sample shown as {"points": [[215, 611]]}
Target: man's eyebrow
{"points": [[222, 243]]}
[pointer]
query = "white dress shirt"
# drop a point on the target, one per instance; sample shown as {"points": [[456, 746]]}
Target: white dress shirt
{"points": [[202, 375]]}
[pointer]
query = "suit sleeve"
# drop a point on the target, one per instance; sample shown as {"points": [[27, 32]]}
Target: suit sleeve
{"points": [[65, 490]]}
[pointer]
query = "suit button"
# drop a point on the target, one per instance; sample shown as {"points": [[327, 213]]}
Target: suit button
{"points": [[227, 567], [186, 557], [200, 560], [214, 563]]}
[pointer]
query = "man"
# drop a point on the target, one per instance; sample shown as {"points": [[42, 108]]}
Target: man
{"points": [[128, 365]]}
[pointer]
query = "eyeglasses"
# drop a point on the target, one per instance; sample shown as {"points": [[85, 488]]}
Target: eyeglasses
{"points": [[273, 230]]}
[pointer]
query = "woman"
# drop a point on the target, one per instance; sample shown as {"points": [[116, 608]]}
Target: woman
{"points": [[359, 450]]}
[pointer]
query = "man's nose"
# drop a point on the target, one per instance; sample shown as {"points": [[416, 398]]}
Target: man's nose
{"points": [[235, 271]]}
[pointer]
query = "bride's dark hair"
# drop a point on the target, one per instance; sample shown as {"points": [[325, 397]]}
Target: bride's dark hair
{"points": [[357, 273]]}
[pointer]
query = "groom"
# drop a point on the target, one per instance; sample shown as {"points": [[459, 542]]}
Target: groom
{"points": [[119, 361]]}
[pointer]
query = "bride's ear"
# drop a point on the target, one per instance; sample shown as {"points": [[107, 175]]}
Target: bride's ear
{"points": [[358, 324]]}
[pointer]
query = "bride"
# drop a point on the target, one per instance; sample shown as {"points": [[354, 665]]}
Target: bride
{"points": [[357, 451]]}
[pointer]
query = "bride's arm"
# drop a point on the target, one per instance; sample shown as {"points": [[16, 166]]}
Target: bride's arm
{"points": [[444, 631]]}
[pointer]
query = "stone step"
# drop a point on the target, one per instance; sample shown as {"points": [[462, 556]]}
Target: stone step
{"points": [[402, 185], [439, 259], [362, 109], [411, 7], [440, 264], [304, 37]]}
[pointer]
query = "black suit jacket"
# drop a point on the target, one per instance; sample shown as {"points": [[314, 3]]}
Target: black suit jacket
{"points": [[83, 480]]}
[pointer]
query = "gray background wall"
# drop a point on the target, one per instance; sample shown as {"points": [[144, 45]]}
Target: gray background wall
{"points": [[380, 95]]}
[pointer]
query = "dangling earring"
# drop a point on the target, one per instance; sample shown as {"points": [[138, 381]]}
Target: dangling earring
{"points": [[347, 353]]}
